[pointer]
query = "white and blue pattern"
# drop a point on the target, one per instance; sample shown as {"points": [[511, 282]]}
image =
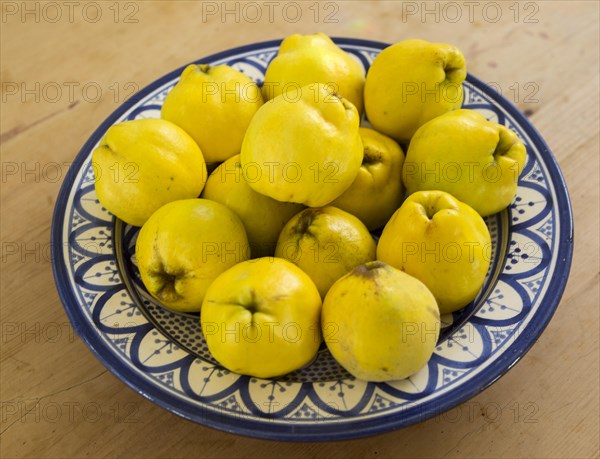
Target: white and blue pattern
{"points": [[163, 356]]}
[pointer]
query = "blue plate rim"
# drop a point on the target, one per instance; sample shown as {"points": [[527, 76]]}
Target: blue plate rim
{"points": [[316, 432]]}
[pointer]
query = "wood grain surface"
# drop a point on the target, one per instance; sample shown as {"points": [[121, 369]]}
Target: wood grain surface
{"points": [[67, 65]]}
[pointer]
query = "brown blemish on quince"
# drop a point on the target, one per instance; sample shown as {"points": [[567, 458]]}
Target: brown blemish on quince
{"points": [[371, 156], [369, 270], [305, 220]]}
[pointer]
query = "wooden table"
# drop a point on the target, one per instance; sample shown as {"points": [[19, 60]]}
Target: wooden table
{"points": [[67, 65]]}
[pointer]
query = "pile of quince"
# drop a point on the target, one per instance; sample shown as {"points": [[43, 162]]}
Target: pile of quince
{"points": [[274, 247]]}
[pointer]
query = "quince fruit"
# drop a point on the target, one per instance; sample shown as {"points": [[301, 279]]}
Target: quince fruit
{"points": [[379, 323], [184, 246], [140, 165], [306, 151], [377, 190], [263, 217], [305, 59], [214, 105], [476, 160], [412, 82], [325, 243], [442, 242], [262, 318]]}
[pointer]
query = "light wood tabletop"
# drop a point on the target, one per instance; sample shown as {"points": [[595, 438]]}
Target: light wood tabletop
{"points": [[66, 66]]}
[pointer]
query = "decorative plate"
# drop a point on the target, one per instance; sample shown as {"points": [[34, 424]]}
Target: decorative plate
{"points": [[163, 356]]}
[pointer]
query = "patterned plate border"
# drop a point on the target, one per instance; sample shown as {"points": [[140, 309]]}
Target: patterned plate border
{"points": [[520, 304]]}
